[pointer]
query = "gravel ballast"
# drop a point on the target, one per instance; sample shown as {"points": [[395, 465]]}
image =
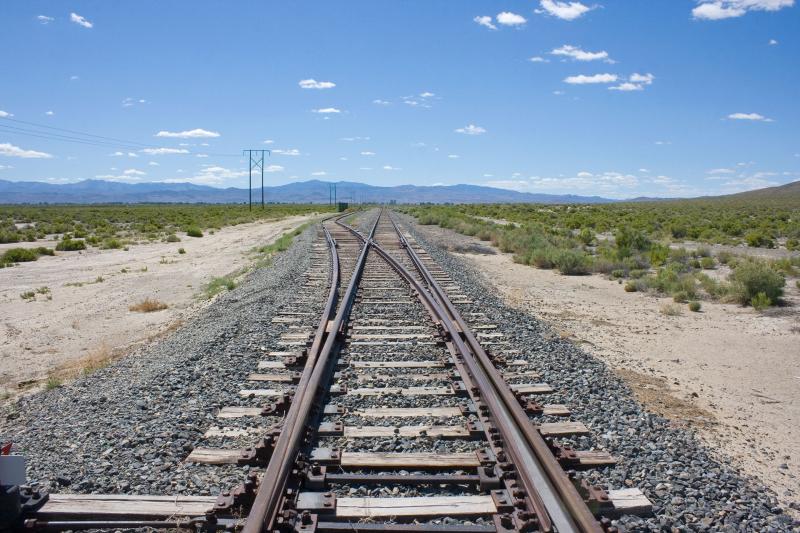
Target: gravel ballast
{"points": [[128, 428], [690, 489]]}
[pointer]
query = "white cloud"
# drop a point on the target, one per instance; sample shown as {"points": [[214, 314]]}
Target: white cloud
{"points": [[134, 172], [452, 156], [153, 164], [577, 54], [367, 153], [212, 175], [538, 59], [506, 18], [164, 151], [564, 10], [273, 168], [327, 110], [773, 42], [426, 94], [4, 114], [290, 151], [718, 171], [202, 156], [749, 116], [196, 133], [79, 20], [9, 150], [471, 129], [319, 173], [627, 86], [49, 113], [390, 167], [314, 84], [604, 183], [595, 78], [636, 82], [378, 101], [662, 143], [558, 93], [351, 139], [269, 141], [128, 102], [44, 19], [647, 79], [725, 9], [74, 77], [485, 21]]}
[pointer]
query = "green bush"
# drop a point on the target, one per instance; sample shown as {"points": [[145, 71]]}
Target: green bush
{"points": [[760, 301], [707, 263], [724, 257], [618, 273], [173, 238], [571, 262], [194, 232], [680, 297], [658, 254], [792, 244], [750, 278], [70, 245], [181, 251], [757, 239], [631, 286], [112, 244], [20, 255], [694, 307]]}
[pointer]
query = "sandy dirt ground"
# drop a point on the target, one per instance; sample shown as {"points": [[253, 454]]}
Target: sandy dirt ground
{"points": [[730, 372], [83, 319]]}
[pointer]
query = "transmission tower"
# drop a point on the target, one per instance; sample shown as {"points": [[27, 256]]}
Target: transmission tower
{"points": [[256, 163]]}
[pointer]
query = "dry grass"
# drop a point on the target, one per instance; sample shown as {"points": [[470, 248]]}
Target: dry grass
{"points": [[148, 305], [671, 310]]}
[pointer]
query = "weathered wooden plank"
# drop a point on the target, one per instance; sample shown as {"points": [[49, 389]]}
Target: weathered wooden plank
{"points": [[367, 378], [414, 506], [556, 409], [532, 388], [402, 391], [391, 336], [239, 412], [214, 456], [282, 378], [595, 458], [271, 364], [406, 431], [396, 364], [93, 505], [385, 412], [563, 429], [247, 393], [630, 501], [410, 460]]}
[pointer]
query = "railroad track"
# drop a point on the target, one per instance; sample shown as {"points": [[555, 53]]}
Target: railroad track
{"points": [[397, 408]]}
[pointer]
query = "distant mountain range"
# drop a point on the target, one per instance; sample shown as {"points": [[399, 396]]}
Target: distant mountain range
{"points": [[314, 191]]}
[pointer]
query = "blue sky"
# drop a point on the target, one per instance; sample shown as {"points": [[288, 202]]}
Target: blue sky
{"points": [[617, 98]]}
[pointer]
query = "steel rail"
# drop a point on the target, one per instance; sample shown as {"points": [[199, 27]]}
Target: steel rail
{"points": [[266, 506], [555, 504], [562, 500]]}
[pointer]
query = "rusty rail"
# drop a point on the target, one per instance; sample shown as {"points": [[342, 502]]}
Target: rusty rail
{"points": [[266, 506]]}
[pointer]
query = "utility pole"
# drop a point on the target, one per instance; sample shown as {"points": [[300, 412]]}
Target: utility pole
{"points": [[256, 158]]}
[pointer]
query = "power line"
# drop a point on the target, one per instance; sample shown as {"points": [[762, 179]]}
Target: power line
{"points": [[59, 137], [84, 134]]}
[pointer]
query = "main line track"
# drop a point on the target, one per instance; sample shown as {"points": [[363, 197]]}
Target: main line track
{"points": [[403, 414]]}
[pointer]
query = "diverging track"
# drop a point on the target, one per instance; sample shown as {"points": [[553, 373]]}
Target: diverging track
{"points": [[389, 411]]}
